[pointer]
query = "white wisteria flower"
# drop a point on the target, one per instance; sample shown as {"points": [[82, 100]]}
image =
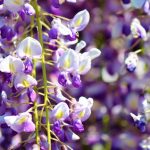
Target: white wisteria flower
{"points": [[29, 47], [11, 64]]}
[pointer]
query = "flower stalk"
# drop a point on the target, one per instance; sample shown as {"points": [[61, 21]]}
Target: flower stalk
{"points": [[39, 27]]}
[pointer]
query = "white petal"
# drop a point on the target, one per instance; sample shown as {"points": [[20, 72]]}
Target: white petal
{"points": [[138, 30], [135, 117], [63, 29], [29, 47], [86, 114], [93, 53], [11, 64], [80, 20], [82, 112], [108, 78], [80, 46], [84, 64], [60, 111], [18, 65], [24, 81], [86, 102], [10, 120], [5, 64], [72, 1], [69, 61], [71, 136], [14, 5]]}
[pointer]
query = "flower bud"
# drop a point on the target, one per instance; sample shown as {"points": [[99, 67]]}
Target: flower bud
{"points": [[62, 80], [31, 94], [126, 1], [58, 129], [76, 81], [53, 33], [78, 126], [28, 66], [7, 32], [140, 122]]}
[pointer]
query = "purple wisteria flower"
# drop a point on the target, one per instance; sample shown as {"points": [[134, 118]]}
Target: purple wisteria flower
{"points": [[60, 111], [20, 123], [82, 109], [11, 64], [42, 53], [76, 24], [131, 61], [23, 80], [138, 30], [16, 6], [30, 48], [140, 121], [75, 63], [80, 21]]}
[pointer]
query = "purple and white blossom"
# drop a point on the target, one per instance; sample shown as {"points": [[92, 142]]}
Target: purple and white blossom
{"points": [[82, 108], [80, 20], [20, 123], [131, 61], [60, 111], [14, 5], [138, 30], [11, 64], [23, 80], [30, 48], [47, 64]]}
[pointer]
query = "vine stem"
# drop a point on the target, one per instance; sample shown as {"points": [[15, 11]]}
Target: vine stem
{"points": [[36, 116], [39, 27]]}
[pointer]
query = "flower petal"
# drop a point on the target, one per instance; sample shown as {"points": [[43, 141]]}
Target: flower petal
{"points": [[93, 53], [29, 47], [68, 61], [80, 46], [84, 64], [10, 120], [63, 29], [24, 81], [80, 20], [14, 5], [21, 123], [138, 30], [11, 64], [60, 111], [71, 136]]}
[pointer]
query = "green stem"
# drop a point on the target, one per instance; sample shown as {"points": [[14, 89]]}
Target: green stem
{"points": [[36, 117], [36, 123], [39, 25]]}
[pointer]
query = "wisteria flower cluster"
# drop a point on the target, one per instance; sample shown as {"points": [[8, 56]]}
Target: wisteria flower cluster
{"points": [[74, 74], [50, 116]]}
